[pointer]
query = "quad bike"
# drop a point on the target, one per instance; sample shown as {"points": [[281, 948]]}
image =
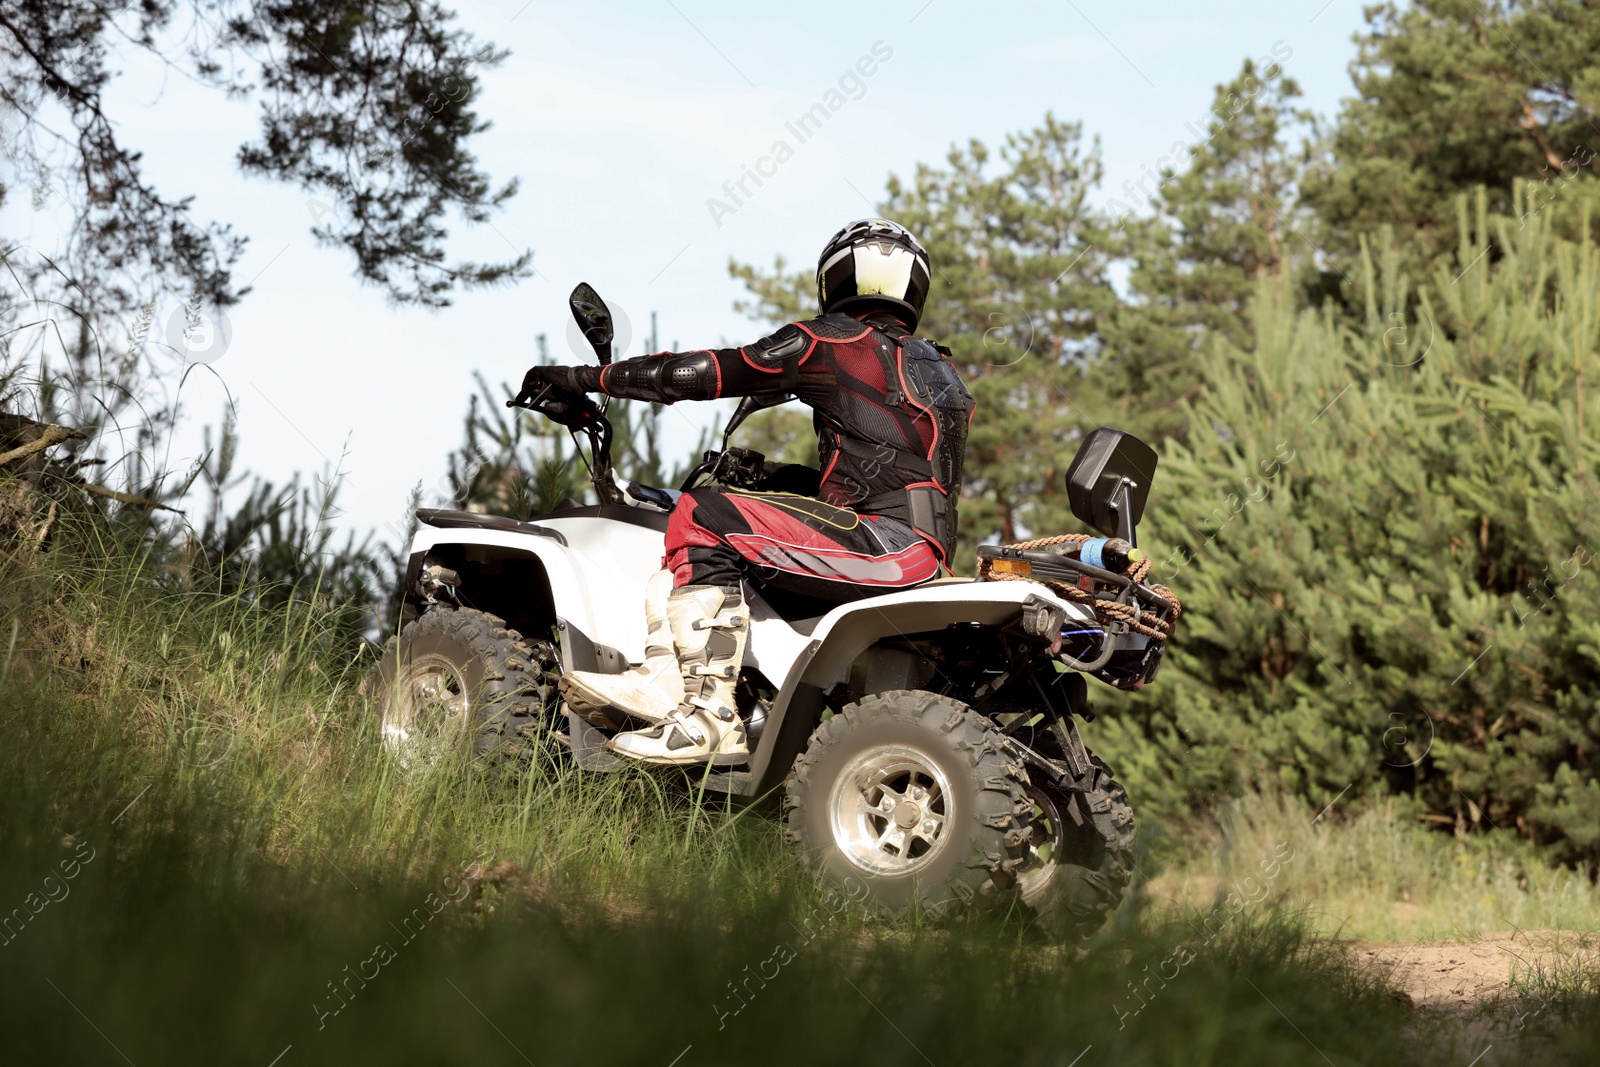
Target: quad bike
{"points": [[925, 741]]}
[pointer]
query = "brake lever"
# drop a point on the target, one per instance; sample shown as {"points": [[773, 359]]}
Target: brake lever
{"points": [[524, 400]]}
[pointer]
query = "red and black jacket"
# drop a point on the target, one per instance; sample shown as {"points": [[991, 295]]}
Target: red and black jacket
{"points": [[891, 413]]}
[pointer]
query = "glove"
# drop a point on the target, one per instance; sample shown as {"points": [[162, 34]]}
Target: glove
{"points": [[560, 393], [567, 379]]}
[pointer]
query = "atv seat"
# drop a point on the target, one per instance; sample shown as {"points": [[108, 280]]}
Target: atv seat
{"points": [[802, 613]]}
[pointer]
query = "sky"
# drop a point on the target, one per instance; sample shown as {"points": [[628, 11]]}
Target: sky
{"points": [[629, 125]]}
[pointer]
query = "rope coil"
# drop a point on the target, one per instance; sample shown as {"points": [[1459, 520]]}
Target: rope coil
{"points": [[1107, 611]]}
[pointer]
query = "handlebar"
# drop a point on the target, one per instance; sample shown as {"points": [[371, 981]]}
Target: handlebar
{"points": [[741, 468], [577, 413], [561, 406]]}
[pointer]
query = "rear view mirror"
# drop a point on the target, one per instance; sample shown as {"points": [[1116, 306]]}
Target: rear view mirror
{"points": [[593, 318], [1109, 481]]}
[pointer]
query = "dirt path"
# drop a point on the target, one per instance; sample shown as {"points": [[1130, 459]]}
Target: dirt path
{"points": [[1461, 975], [1463, 993]]}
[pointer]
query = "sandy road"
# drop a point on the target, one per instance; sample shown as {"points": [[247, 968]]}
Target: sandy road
{"points": [[1461, 975], [1491, 999]]}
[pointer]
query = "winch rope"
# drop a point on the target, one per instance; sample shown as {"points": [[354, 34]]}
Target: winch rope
{"points": [[1143, 622]]}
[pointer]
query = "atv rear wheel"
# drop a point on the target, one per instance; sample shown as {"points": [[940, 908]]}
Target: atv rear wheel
{"points": [[914, 796], [458, 680], [1081, 854]]}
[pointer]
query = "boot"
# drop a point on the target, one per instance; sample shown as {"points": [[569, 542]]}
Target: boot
{"points": [[651, 691], [710, 627]]}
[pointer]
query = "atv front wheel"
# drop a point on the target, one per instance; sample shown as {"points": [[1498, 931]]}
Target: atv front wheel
{"points": [[914, 797], [1082, 854], [458, 680]]}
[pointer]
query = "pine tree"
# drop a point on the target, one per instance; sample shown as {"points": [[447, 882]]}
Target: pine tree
{"points": [[1220, 223], [366, 104], [1451, 95], [1385, 563]]}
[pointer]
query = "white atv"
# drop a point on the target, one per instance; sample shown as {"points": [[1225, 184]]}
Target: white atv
{"points": [[925, 741]]}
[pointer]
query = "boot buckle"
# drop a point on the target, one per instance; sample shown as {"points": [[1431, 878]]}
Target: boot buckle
{"points": [[687, 725], [721, 711], [732, 622], [726, 672]]}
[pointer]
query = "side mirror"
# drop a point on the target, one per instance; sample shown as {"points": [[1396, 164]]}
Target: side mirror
{"points": [[1109, 481], [593, 318]]}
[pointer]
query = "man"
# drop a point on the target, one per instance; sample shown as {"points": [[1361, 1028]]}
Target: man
{"points": [[891, 417]]}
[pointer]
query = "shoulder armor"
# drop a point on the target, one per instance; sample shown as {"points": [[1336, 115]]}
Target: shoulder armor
{"points": [[931, 376], [835, 327], [780, 347]]}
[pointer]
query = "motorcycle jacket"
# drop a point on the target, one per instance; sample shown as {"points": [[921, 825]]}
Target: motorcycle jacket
{"points": [[890, 411]]}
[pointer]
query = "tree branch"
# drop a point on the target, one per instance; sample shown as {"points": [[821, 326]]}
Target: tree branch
{"points": [[128, 498], [52, 435], [1531, 124]]}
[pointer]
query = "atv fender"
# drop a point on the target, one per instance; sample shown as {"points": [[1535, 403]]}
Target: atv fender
{"points": [[840, 637], [595, 570]]}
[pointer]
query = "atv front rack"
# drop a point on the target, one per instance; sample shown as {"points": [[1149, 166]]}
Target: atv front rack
{"points": [[1008, 562], [1123, 604]]}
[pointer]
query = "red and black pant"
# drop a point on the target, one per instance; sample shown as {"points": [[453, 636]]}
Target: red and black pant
{"points": [[795, 543]]}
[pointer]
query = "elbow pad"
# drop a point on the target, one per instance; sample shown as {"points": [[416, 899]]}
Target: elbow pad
{"points": [[664, 379]]}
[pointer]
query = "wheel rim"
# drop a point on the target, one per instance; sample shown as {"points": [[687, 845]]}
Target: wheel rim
{"points": [[1044, 854], [890, 810], [427, 708]]}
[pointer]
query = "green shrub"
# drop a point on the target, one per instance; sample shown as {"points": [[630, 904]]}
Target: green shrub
{"points": [[1381, 534]]}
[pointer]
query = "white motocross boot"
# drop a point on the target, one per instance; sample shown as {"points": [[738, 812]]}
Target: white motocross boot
{"points": [[651, 691], [710, 627]]}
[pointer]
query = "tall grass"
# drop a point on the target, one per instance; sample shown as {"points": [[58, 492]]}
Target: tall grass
{"points": [[246, 712], [1379, 873], [214, 862]]}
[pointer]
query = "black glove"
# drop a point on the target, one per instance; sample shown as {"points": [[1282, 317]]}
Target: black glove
{"points": [[568, 379], [558, 393]]}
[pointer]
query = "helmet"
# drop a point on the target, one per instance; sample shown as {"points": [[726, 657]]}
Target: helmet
{"points": [[874, 263]]}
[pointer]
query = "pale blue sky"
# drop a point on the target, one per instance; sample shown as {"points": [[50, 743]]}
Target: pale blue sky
{"points": [[623, 120]]}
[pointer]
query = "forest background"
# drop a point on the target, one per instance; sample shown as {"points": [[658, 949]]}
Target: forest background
{"points": [[1361, 343]]}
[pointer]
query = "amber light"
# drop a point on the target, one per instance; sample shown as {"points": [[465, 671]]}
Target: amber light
{"points": [[1011, 566]]}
